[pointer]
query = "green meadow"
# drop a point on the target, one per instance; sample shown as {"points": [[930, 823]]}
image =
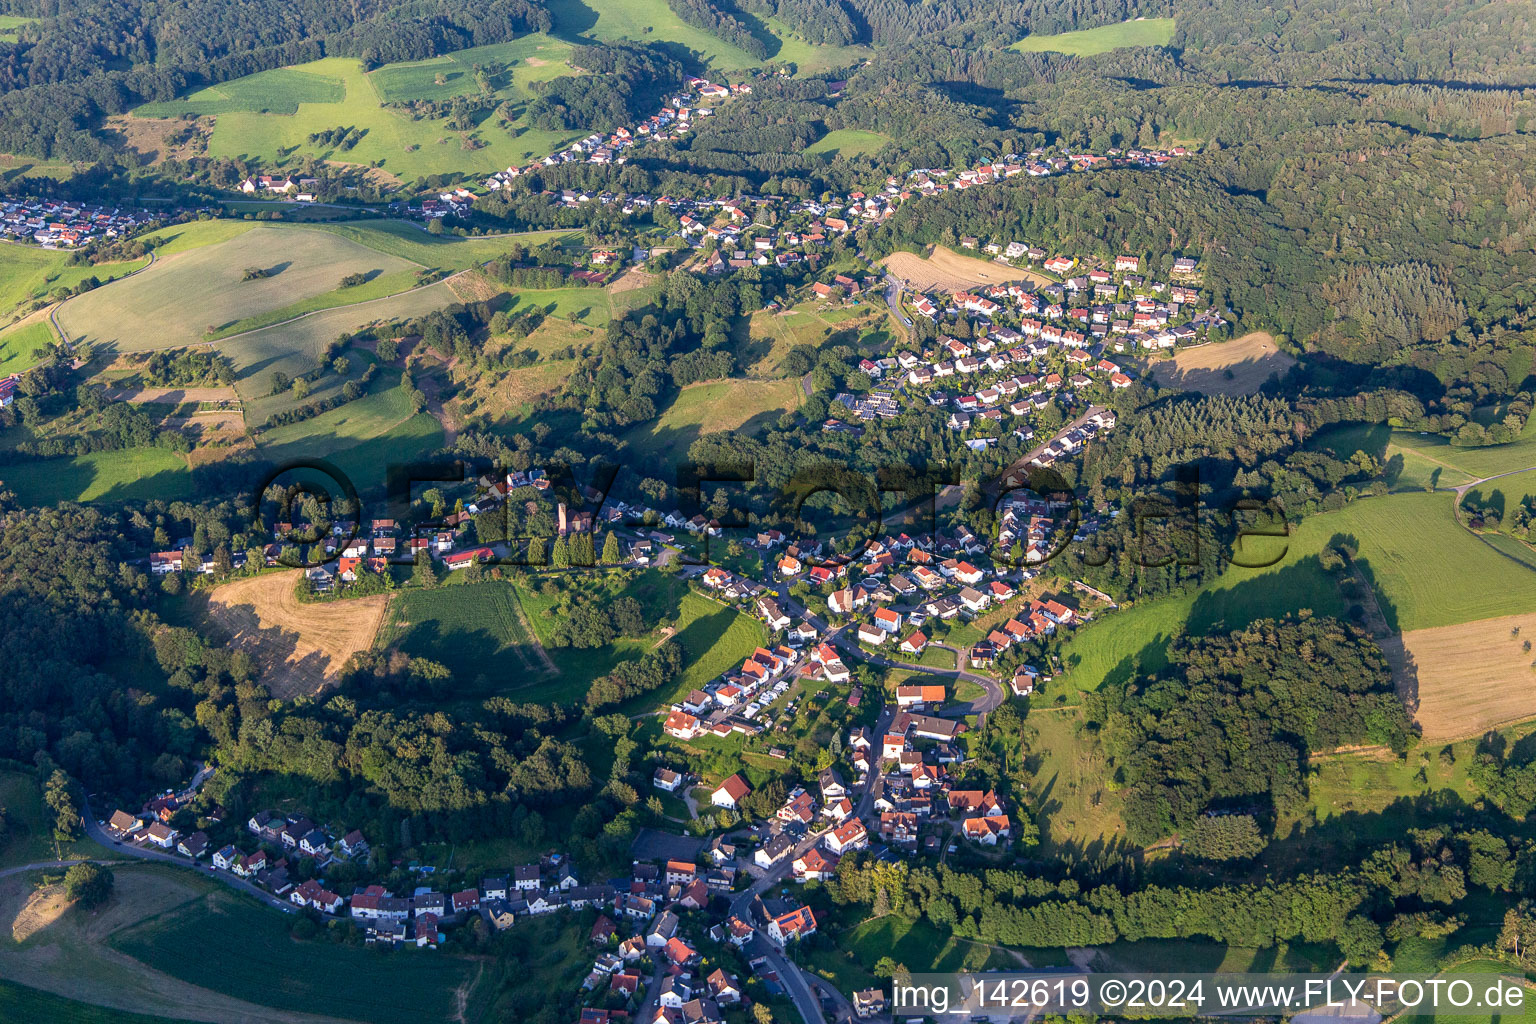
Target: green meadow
{"points": [[1415, 461], [522, 62], [29, 273], [361, 438], [279, 91], [1425, 568], [9, 23], [18, 1002], [18, 343], [407, 241], [1089, 41], [653, 21], [208, 285], [273, 970], [134, 474], [847, 142], [269, 117]]}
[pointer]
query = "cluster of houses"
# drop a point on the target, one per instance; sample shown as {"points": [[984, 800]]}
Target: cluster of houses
{"points": [[654, 927], [913, 787], [1097, 304], [280, 837], [731, 702], [301, 189], [545, 887], [54, 224], [673, 121]]}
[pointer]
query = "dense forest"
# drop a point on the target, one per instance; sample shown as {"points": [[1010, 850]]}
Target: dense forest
{"points": [[1232, 719], [626, 82]]}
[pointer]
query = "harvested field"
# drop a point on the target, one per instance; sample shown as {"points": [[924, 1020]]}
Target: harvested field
{"points": [[1472, 677], [45, 906], [947, 270], [172, 395], [1238, 367], [632, 280], [298, 647]]}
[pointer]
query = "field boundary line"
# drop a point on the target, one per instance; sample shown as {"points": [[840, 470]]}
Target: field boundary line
{"points": [[350, 305]]}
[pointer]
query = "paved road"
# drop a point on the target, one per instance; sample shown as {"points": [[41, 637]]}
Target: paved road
{"points": [[43, 865], [893, 300], [53, 314], [117, 848], [1014, 474]]}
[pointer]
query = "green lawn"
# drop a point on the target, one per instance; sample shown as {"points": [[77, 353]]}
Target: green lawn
{"points": [[400, 987], [1476, 462], [294, 348], [707, 407], [28, 273], [581, 304], [522, 62], [279, 91], [714, 637], [847, 142], [135, 474], [1503, 495], [9, 23], [1085, 43], [849, 959], [196, 234], [30, 828], [377, 287], [1426, 569]]}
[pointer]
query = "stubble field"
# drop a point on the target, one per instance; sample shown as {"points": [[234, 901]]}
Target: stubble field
{"points": [[1237, 367], [298, 647], [947, 270]]}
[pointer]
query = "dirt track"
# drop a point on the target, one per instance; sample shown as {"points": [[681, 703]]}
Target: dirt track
{"points": [[299, 647], [949, 271]]}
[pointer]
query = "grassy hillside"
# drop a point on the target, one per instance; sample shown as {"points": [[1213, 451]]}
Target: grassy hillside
{"points": [[533, 58], [477, 630], [847, 142], [137, 474], [269, 116], [408, 241], [293, 348], [1426, 570], [362, 438], [17, 1002], [712, 406], [1085, 43], [28, 273], [178, 300], [1519, 454], [17, 344], [274, 970]]}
